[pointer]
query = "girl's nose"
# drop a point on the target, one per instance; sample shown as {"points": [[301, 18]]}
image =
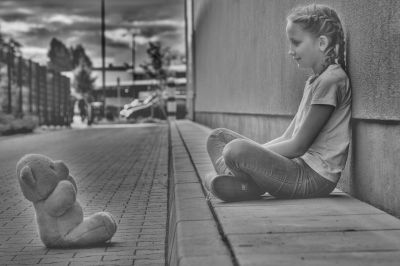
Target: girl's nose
{"points": [[291, 52]]}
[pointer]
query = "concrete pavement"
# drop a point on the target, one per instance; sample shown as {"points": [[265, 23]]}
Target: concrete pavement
{"points": [[337, 230]]}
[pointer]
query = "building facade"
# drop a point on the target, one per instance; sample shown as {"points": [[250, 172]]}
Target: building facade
{"points": [[123, 85]]}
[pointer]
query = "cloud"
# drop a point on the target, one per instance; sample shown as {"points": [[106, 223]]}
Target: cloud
{"points": [[35, 23], [15, 27], [70, 19], [38, 54], [19, 14], [157, 23]]}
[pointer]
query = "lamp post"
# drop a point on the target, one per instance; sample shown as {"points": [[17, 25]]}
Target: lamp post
{"points": [[134, 32], [103, 54], [133, 55], [119, 93]]}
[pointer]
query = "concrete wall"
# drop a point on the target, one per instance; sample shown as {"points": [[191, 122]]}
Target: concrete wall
{"points": [[242, 78]]}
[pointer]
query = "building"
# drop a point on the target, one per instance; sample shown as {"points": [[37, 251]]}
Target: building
{"points": [[123, 85]]}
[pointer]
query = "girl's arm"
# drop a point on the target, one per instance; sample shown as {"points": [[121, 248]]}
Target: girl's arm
{"points": [[286, 135], [297, 145]]}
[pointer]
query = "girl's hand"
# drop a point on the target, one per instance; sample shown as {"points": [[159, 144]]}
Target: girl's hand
{"points": [[298, 144]]}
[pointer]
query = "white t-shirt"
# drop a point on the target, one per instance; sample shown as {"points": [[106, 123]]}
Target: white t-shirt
{"points": [[328, 153]]}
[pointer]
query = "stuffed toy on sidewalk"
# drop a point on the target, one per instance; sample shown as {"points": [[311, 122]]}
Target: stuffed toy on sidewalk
{"points": [[59, 216]]}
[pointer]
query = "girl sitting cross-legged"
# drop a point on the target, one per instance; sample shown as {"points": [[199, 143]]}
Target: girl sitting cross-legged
{"points": [[308, 159]]}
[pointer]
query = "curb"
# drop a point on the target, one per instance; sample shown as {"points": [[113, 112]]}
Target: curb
{"points": [[193, 235]]}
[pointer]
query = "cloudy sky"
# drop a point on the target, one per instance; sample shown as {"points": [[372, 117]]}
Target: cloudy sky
{"points": [[34, 23]]}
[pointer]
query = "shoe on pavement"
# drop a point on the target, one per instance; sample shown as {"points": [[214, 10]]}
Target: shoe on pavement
{"points": [[232, 188], [207, 180]]}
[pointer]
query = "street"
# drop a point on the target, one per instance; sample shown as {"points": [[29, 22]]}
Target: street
{"points": [[119, 169]]}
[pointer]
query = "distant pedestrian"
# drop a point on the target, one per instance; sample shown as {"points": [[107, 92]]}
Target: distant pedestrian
{"points": [[82, 109], [308, 159]]}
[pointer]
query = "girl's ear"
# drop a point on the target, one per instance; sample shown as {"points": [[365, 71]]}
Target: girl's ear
{"points": [[323, 43]]}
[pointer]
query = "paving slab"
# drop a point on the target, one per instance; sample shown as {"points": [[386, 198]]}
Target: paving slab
{"points": [[193, 235], [337, 230]]}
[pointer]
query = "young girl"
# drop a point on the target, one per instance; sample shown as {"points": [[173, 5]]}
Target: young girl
{"points": [[307, 160]]}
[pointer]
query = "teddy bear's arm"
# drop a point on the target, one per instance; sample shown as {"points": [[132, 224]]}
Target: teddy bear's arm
{"points": [[72, 180], [61, 199]]}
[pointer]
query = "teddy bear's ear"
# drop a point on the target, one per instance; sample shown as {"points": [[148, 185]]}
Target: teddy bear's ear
{"points": [[61, 168], [27, 176]]}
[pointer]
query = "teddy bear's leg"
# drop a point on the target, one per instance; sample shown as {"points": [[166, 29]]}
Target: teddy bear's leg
{"points": [[96, 229]]}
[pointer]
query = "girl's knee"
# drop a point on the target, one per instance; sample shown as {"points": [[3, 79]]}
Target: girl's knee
{"points": [[236, 150], [215, 135], [216, 132]]}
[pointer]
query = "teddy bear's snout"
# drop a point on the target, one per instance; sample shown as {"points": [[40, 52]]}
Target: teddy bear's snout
{"points": [[27, 176]]}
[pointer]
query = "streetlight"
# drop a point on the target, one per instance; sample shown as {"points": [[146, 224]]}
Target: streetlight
{"points": [[134, 32], [103, 54]]}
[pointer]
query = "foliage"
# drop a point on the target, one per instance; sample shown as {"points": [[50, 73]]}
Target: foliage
{"points": [[63, 59], [157, 68], [14, 47], [9, 124], [160, 60], [72, 59], [83, 81], [80, 58], [59, 56]]}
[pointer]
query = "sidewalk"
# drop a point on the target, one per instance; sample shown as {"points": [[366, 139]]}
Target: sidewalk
{"points": [[125, 170], [122, 170], [338, 230]]}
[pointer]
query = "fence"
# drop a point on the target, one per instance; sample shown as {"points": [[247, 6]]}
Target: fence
{"points": [[29, 88]]}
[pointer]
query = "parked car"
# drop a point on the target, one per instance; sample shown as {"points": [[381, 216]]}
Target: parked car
{"points": [[139, 108]]}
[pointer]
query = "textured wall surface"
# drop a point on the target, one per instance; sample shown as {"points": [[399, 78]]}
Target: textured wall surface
{"points": [[376, 164], [246, 81], [258, 127], [242, 61], [241, 58]]}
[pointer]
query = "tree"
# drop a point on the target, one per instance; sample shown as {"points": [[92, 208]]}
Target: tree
{"points": [[83, 81], [158, 68], [160, 60], [80, 58], [59, 56], [14, 46], [63, 59]]}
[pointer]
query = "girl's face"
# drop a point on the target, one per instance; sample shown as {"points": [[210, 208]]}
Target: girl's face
{"points": [[304, 47]]}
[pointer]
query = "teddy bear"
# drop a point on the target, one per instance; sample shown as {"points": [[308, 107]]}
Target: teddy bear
{"points": [[48, 185]]}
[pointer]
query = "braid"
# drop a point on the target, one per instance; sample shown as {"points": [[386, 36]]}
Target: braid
{"points": [[341, 52], [323, 20]]}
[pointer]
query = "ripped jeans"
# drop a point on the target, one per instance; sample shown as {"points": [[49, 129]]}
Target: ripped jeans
{"points": [[234, 154]]}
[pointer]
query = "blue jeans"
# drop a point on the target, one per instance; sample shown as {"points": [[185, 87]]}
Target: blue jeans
{"points": [[234, 154]]}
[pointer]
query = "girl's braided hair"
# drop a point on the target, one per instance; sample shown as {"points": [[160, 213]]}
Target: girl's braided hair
{"points": [[322, 20]]}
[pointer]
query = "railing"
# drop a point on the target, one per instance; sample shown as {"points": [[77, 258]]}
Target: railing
{"points": [[29, 88]]}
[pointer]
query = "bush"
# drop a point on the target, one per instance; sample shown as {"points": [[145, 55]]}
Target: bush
{"points": [[11, 125], [4, 128]]}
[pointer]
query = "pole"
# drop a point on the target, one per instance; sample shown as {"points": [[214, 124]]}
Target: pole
{"points": [[30, 85], [19, 82], [103, 53], [10, 64], [133, 53], [119, 93]]}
